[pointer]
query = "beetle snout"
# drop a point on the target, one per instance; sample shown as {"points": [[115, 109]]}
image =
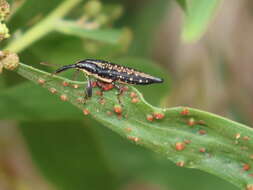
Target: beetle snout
{"points": [[63, 68]]}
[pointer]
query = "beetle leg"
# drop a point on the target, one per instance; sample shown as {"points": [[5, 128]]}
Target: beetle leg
{"points": [[101, 87], [89, 89], [120, 89]]}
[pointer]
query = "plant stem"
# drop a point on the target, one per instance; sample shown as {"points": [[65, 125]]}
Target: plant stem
{"points": [[42, 28]]}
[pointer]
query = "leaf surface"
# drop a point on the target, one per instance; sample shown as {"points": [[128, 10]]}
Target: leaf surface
{"points": [[189, 137]]}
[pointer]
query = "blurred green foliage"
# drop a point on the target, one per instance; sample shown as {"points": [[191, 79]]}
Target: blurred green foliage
{"points": [[73, 153], [68, 154], [197, 18], [182, 3]]}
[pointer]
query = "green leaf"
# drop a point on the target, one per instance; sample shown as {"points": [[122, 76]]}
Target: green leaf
{"points": [[68, 155], [137, 164], [182, 3], [112, 36], [198, 16], [188, 137]]}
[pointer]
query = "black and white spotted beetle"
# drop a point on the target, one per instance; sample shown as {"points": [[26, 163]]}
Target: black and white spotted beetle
{"points": [[110, 73]]}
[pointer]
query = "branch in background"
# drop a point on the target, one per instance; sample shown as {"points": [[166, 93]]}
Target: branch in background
{"points": [[55, 22], [111, 36], [42, 28]]}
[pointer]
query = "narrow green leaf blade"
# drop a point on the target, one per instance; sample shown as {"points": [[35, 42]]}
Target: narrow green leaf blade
{"points": [[145, 166], [183, 4], [188, 137], [198, 16], [111, 36]]}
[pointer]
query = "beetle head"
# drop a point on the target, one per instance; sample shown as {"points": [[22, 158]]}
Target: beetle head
{"points": [[87, 65]]}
